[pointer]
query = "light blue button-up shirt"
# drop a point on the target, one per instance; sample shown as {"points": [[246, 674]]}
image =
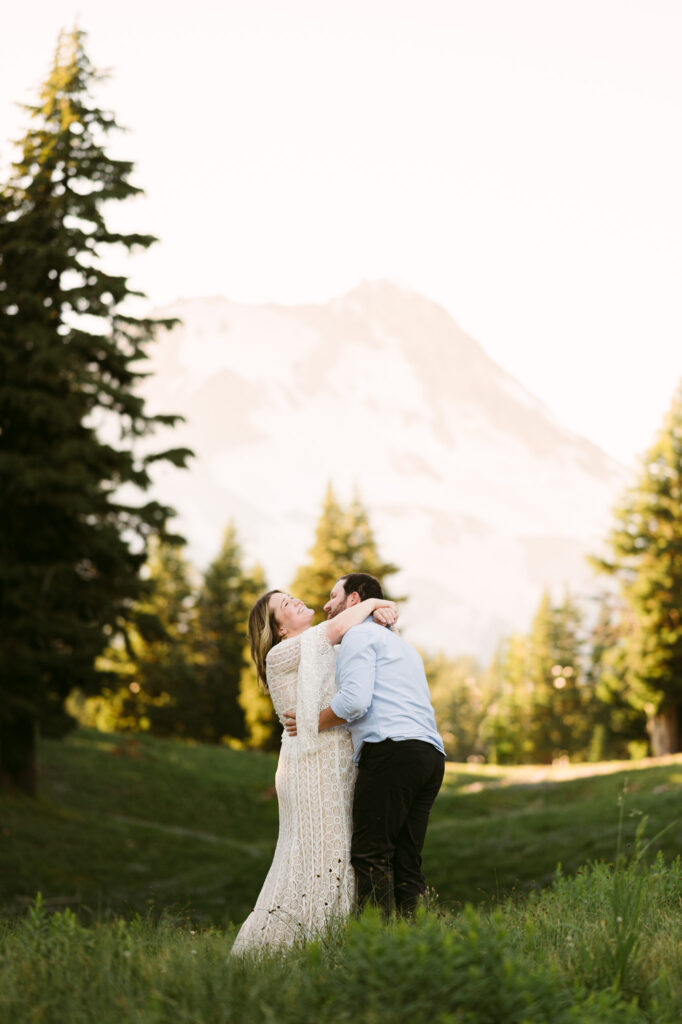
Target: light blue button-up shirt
{"points": [[382, 689]]}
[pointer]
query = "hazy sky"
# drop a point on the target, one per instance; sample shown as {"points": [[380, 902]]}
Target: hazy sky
{"points": [[519, 161]]}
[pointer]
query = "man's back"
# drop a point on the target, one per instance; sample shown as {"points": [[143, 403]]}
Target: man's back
{"points": [[383, 691]]}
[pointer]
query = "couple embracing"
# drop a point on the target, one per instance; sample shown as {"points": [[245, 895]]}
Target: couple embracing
{"points": [[360, 766]]}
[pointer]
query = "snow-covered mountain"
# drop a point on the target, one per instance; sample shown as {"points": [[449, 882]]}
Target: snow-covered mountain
{"points": [[472, 487]]}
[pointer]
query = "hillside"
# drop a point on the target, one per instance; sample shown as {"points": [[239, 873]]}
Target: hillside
{"points": [[473, 488], [131, 823]]}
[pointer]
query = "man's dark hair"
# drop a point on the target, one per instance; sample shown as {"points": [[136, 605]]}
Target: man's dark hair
{"points": [[363, 584]]}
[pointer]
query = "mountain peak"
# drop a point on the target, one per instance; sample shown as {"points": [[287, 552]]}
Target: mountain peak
{"points": [[472, 487]]}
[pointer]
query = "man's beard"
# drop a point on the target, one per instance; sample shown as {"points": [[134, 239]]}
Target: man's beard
{"points": [[341, 608]]}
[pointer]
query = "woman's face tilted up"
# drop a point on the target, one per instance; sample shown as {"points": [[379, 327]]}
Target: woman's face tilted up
{"points": [[291, 615]]}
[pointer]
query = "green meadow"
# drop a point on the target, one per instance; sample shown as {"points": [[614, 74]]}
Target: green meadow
{"points": [[128, 824], [148, 853]]}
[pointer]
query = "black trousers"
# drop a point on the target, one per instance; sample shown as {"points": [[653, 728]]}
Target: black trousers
{"points": [[397, 783]]}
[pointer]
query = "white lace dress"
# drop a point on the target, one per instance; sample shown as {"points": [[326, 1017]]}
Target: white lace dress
{"points": [[311, 879]]}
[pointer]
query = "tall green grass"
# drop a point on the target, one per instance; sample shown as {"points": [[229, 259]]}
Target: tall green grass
{"points": [[557, 958], [148, 850]]}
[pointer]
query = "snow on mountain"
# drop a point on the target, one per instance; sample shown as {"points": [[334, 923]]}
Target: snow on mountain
{"points": [[472, 487]]}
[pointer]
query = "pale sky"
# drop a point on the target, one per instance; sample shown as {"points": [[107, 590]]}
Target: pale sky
{"points": [[519, 161]]}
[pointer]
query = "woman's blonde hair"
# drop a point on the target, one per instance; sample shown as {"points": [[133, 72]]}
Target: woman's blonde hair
{"points": [[263, 633]]}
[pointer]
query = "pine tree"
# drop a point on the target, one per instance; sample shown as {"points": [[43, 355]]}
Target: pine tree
{"points": [[558, 723], [314, 580], [617, 727], [225, 599], [459, 701], [362, 553], [543, 735], [163, 694], [263, 730], [70, 354], [344, 543], [184, 669], [646, 558], [150, 664], [505, 729]]}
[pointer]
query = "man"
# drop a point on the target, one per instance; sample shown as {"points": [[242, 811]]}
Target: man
{"points": [[383, 697]]}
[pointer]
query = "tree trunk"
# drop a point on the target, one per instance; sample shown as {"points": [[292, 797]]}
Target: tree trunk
{"points": [[18, 754], [663, 732]]}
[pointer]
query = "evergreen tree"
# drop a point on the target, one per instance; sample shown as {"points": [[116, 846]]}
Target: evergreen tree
{"points": [[223, 608], [162, 696], [459, 702], [314, 580], [344, 543], [362, 553], [506, 726], [543, 735], [70, 355], [646, 558], [558, 722], [262, 728], [151, 664], [617, 728], [184, 667]]}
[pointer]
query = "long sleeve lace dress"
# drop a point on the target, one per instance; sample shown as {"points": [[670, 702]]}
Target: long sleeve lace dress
{"points": [[311, 879]]}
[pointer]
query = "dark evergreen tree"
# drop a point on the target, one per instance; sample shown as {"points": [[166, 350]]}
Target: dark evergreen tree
{"points": [[70, 358], [646, 558]]}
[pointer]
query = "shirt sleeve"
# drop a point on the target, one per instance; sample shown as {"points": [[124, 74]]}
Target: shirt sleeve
{"points": [[356, 671]]}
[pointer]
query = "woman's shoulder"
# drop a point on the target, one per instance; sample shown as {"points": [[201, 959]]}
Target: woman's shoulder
{"points": [[291, 647], [284, 652]]}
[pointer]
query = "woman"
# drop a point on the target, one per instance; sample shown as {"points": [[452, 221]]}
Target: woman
{"points": [[311, 879]]}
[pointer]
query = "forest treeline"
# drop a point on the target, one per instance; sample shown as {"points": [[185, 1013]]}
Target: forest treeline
{"points": [[102, 619], [182, 666], [598, 675], [565, 689]]}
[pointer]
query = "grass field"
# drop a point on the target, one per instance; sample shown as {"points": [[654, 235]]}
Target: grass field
{"points": [[125, 825], [602, 947]]}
